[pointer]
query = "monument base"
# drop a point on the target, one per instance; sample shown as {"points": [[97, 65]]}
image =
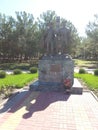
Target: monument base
{"points": [[46, 86], [56, 73], [77, 88]]}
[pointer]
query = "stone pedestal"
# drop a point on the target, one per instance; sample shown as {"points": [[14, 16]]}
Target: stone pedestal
{"points": [[53, 70], [77, 88]]}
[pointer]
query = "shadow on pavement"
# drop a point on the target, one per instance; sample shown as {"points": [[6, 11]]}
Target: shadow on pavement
{"points": [[43, 101], [25, 98], [13, 102]]}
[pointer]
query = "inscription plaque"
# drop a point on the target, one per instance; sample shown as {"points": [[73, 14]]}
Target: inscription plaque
{"points": [[55, 68]]}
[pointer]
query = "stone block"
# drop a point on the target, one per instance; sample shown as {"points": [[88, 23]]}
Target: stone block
{"points": [[77, 88], [54, 69]]}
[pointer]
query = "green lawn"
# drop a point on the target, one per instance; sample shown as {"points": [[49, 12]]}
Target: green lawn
{"points": [[17, 81], [85, 63], [90, 80]]}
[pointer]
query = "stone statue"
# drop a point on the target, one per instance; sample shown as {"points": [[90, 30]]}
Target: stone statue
{"points": [[56, 68], [64, 36], [49, 39], [56, 38]]}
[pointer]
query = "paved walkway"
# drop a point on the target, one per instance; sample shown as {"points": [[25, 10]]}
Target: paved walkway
{"points": [[49, 111]]}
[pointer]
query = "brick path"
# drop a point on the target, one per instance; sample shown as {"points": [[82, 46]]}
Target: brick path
{"points": [[49, 111]]}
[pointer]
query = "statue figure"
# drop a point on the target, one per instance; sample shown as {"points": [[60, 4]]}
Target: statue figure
{"points": [[49, 39], [64, 36], [61, 37], [56, 39]]}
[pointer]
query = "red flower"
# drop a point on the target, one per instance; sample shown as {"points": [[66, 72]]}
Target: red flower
{"points": [[67, 82]]}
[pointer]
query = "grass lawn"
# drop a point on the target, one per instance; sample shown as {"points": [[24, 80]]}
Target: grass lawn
{"points": [[90, 80], [85, 63], [17, 81]]}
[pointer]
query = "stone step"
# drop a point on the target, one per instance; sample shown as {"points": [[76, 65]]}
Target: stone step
{"points": [[77, 88], [34, 86]]}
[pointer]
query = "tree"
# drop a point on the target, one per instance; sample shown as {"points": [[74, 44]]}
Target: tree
{"points": [[26, 29], [6, 35], [21, 38], [17, 36], [92, 36]]}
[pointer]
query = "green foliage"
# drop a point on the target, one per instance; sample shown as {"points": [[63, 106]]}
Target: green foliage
{"points": [[17, 71], [5, 66], [92, 38], [17, 37], [16, 81], [33, 70], [90, 80], [96, 72], [21, 37], [82, 71], [22, 66], [2, 74]]}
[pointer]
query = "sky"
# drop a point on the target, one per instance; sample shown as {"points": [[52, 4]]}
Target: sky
{"points": [[79, 12]]}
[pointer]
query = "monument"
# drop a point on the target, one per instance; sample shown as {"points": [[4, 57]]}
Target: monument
{"points": [[56, 67]]}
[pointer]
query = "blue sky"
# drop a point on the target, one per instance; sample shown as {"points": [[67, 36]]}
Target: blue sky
{"points": [[79, 12]]}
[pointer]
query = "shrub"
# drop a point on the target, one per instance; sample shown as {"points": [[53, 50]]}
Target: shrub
{"points": [[2, 74], [96, 72], [21, 66], [17, 71], [33, 70], [12, 66], [82, 71]]}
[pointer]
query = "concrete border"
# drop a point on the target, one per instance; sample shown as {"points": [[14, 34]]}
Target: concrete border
{"points": [[94, 95]]}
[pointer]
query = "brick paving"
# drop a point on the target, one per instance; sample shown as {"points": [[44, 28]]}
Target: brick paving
{"points": [[49, 111]]}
